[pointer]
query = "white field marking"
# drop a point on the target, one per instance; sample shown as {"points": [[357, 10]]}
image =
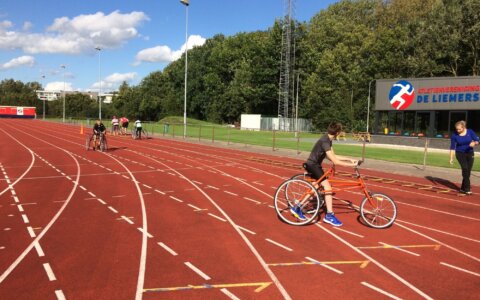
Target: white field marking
{"points": [[68, 177], [271, 206], [119, 196], [246, 230], [11, 185], [168, 249], [460, 269], [101, 201], [324, 265], [83, 188], [59, 201], [217, 217], [31, 232], [212, 171], [113, 209], [229, 294], [399, 249], [249, 199], [160, 192], [92, 194], [197, 270], [349, 232], [147, 186], [279, 245], [125, 176], [127, 219], [212, 187], [230, 193], [39, 250], [108, 169], [13, 192], [20, 207], [25, 219], [440, 231], [197, 182], [194, 207], [257, 183], [438, 211], [380, 290], [116, 173], [15, 198], [141, 230], [49, 272], [8, 180], [60, 295], [90, 198], [63, 174], [176, 199]]}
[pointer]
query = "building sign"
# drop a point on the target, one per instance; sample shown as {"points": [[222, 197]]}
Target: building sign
{"points": [[441, 93]]}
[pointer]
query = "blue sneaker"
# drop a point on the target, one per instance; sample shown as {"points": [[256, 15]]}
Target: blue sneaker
{"points": [[331, 219], [297, 212]]}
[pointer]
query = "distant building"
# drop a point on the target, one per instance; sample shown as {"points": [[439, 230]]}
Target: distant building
{"points": [[57, 95]]}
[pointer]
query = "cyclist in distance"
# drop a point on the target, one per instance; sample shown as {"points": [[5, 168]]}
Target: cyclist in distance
{"points": [[115, 123], [98, 129], [124, 122], [138, 128], [323, 148]]}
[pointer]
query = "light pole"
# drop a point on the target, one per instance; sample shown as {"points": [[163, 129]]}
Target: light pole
{"points": [[186, 3], [63, 67], [368, 105], [43, 79], [100, 82]]}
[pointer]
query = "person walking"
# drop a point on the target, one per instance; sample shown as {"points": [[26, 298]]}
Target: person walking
{"points": [[462, 142]]}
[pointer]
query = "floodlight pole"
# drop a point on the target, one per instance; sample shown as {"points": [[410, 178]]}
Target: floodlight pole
{"points": [[368, 105], [186, 3], [63, 67], [43, 79], [100, 82]]}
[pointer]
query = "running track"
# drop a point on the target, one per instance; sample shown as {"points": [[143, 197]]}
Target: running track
{"points": [[168, 219]]}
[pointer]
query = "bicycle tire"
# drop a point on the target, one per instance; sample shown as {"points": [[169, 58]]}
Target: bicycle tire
{"points": [[371, 214], [292, 192], [103, 143], [144, 134], [88, 141]]}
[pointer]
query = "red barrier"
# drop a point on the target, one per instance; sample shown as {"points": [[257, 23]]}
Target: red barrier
{"points": [[17, 112]]}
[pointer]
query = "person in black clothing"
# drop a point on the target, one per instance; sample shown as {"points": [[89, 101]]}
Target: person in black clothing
{"points": [[98, 129], [323, 149]]}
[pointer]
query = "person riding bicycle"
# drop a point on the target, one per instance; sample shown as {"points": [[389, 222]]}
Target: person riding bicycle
{"points": [[98, 129], [115, 123], [323, 148], [138, 128], [124, 122]]}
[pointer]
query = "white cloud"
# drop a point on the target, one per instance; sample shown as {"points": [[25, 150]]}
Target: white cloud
{"points": [[114, 80], [166, 54], [58, 86], [19, 61], [27, 26], [77, 35]]}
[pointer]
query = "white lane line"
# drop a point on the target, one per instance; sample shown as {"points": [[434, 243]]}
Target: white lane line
{"points": [[147, 186], [160, 192], [212, 187], [324, 265], [68, 177], [440, 231], [229, 294], [279, 245], [92, 194], [168, 249], [31, 232], [49, 272], [25, 219], [13, 192], [176, 199], [439, 211], [15, 198], [399, 249], [113, 209], [460, 269], [142, 231], [257, 183], [197, 270], [194, 207], [101, 201], [127, 219], [217, 217], [60, 295], [20, 207], [125, 176], [119, 196], [249, 199], [230, 193], [82, 187], [63, 174], [349, 232], [197, 182], [380, 290], [39, 249], [246, 230]]}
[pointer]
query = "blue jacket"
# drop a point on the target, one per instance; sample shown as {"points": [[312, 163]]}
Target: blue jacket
{"points": [[462, 143]]}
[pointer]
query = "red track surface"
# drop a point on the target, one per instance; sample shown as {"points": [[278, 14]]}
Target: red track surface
{"points": [[162, 213]]}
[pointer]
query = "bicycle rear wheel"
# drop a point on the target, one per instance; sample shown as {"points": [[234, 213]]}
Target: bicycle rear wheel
{"points": [[103, 144], [88, 141], [379, 214], [144, 134], [297, 194]]}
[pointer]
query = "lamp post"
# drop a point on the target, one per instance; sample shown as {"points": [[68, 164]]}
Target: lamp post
{"points": [[63, 67], [100, 82], [186, 3], [368, 105], [43, 79]]}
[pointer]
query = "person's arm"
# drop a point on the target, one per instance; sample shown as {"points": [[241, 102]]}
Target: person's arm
{"points": [[343, 158], [474, 138], [453, 145], [334, 159]]}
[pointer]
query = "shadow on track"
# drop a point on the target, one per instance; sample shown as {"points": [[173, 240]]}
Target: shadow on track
{"points": [[444, 182]]}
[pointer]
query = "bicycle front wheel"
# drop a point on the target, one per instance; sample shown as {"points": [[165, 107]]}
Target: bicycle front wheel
{"points": [[88, 140], [297, 202], [381, 212], [144, 135]]}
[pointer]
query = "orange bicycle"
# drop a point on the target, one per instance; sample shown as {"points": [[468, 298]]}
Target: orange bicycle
{"points": [[377, 210]]}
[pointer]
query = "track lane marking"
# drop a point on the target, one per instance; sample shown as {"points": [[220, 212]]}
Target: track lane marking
{"points": [[113, 209], [197, 270], [60, 295], [324, 265], [49, 271], [380, 290], [25, 219], [217, 217], [39, 250], [147, 233], [168, 249], [349, 232], [460, 269], [279, 245], [229, 294], [127, 220], [398, 249], [176, 199]]}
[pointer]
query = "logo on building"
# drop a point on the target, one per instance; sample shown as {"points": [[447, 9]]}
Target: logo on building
{"points": [[401, 95]]}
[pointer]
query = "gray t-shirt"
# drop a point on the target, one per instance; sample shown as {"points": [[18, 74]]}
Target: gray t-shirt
{"points": [[320, 149]]}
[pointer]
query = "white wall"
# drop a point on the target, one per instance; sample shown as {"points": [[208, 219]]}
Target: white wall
{"points": [[250, 122]]}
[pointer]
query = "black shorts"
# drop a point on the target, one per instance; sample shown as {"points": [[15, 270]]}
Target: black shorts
{"points": [[315, 170], [125, 125]]}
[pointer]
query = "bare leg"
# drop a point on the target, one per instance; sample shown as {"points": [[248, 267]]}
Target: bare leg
{"points": [[328, 195]]}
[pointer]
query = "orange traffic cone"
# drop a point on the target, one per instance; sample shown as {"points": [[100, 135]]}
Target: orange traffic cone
{"points": [[81, 128]]}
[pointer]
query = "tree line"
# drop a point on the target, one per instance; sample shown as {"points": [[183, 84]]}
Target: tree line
{"points": [[337, 53]]}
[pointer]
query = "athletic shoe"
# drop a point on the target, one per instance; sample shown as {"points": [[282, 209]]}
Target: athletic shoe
{"points": [[331, 219], [297, 212], [468, 193]]}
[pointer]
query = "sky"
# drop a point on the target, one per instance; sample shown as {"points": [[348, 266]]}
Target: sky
{"points": [[136, 37]]}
